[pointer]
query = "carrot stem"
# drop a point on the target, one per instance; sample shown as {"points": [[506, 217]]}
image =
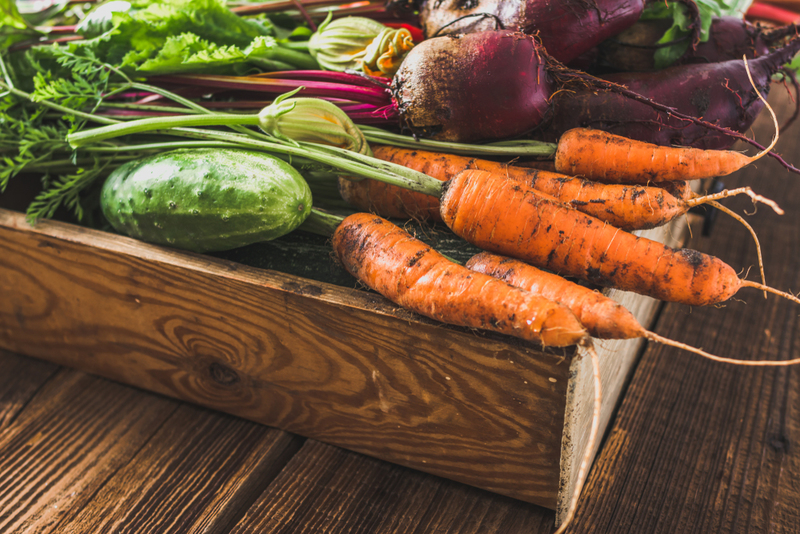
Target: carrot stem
{"points": [[321, 222], [502, 148], [94, 135]]}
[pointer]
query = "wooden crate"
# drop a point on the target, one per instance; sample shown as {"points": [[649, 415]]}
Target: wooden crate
{"points": [[336, 364]]}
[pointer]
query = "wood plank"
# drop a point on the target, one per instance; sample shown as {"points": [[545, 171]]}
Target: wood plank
{"points": [[20, 380], [705, 447], [198, 473], [339, 365], [75, 433], [326, 489], [618, 358]]}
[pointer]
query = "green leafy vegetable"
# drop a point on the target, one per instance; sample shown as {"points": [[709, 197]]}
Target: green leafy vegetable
{"points": [[100, 19], [182, 36], [13, 27], [678, 33], [189, 53]]}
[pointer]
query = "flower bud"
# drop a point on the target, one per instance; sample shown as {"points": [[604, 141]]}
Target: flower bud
{"points": [[311, 120], [339, 45], [384, 55]]}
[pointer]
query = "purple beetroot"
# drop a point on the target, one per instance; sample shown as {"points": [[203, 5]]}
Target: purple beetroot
{"points": [[719, 93], [567, 28], [471, 87], [729, 38]]}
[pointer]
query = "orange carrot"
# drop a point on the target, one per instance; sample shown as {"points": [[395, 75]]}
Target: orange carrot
{"points": [[604, 157], [679, 189], [624, 206], [509, 219], [411, 274], [602, 316]]}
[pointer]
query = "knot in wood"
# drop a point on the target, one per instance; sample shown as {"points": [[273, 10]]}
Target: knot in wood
{"points": [[222, 374]]}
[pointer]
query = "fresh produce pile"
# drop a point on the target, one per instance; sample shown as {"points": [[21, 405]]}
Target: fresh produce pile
{"points": [[542, 133]]}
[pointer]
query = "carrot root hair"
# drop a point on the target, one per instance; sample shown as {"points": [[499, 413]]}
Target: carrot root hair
{"points": [[711, 200], [752, 232], [771, 112], [696, 201], [749, 363], [768, 289], [587, 455]]}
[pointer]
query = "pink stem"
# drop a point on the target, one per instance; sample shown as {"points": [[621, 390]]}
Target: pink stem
{"points": [[326, 76], [368, 95], [58, 30]]}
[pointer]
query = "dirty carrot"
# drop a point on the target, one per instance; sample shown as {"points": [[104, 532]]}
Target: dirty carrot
{"points": [[413, 275], [605, 157], [602, 316], [513, 220], [625, 206]]}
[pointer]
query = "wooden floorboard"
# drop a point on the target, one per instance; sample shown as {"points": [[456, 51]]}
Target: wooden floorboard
{"points": [[198, 473], [71, 437], [89, 455], [20, 380], [326, 489]]}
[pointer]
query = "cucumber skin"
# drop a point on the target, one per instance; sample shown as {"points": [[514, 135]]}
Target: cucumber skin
{"points": [[206, 200]]}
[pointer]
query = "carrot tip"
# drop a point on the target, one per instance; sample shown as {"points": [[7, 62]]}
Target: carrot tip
{"points": [[784, 294], [769, 108]]}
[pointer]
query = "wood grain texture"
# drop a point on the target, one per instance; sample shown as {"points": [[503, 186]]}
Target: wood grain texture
{"points": [[20, 379], [75, 433], [339, 365], [617, 360], [705, 447], [198, 473], [324, 489]]}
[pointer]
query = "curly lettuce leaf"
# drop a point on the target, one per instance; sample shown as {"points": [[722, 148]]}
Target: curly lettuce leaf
{"points": [[189, 53], [183, 53], [140, 34]]}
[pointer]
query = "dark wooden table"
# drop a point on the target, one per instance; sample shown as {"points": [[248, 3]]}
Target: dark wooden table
{"points": [[696, 446]]}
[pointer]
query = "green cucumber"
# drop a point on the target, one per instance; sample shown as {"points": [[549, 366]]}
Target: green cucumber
{"points": [[206, 199]]}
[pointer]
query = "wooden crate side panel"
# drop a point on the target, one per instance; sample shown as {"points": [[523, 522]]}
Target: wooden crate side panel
{"points": [[320, 361], [617, 360]]}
